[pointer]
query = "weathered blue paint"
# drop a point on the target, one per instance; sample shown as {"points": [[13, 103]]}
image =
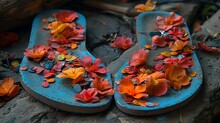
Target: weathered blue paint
{"points": [[173, 99], [60, 94]]}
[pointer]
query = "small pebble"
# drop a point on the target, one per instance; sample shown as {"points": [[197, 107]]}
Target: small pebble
{"points": [[42, 63], [50, 19], [151, 104], [77, 88], [91, 85], [45, 84], [48, 65]]}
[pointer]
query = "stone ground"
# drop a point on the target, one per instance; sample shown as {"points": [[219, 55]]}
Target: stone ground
{"points": [[204, 108]]}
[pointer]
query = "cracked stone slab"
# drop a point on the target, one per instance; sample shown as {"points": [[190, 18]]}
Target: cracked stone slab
{"points": [[204, 108]]}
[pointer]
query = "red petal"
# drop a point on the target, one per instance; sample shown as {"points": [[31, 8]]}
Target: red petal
{"points": [[102, 70], [158, 67], [123, 42], [48, 75], [139, 57], [202, 46], [160, 89], [38, 69], [186, 62], [66, 16], [158, 41], [171, 60], [160, 57], [86, 61]]}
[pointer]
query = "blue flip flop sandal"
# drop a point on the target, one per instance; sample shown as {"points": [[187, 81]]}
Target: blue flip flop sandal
{"points": [[59, 94], [173, 99]]}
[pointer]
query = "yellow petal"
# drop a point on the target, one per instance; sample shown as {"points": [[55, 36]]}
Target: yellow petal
{"points": [[147, 47], [51, 80], [139, 102], [165, 53], [173, 53]]}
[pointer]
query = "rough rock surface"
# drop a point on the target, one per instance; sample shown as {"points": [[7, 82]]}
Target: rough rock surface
{"points": [[98, 26], [205, 106]]}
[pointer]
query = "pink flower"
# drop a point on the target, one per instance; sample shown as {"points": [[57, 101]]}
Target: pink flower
{"points": [[93, 68], [89, 95]]}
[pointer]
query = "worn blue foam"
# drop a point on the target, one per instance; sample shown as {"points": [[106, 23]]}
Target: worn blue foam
{"points": [[173, 99], [60, 94]]}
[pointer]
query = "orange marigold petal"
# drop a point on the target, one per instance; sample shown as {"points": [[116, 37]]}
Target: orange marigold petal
{"points": [[165, 54], [5, 86], [139, 102], [192, 74], [74, 46], [140, 95], [125, 86], [147, 47], [140, 88]]}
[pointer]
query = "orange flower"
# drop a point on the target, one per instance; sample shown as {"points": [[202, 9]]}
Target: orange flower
{"points": [[126, 86], [178, 33], [184, 62], [157, 84], [139, 57], [148, 6], [103, 87], [93, 68], [141, 78], [73, 73], [66, 16], [65, 33], [57, 30], [178, 45], [89, 95], [168, 23], [176, 75], [36, 52], [8, 88]]}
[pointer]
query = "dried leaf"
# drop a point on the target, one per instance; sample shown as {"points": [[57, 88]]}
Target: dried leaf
{"points": [[148, 6], [169, 22], [8, 88]]}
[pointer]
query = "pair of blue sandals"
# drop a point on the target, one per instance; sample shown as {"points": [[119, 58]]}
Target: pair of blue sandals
{"points": [[61, 96]]}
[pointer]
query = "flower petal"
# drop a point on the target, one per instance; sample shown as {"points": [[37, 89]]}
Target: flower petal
{"points": [[139, 57], [66, 16], [125, 86], [158, 41]]}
